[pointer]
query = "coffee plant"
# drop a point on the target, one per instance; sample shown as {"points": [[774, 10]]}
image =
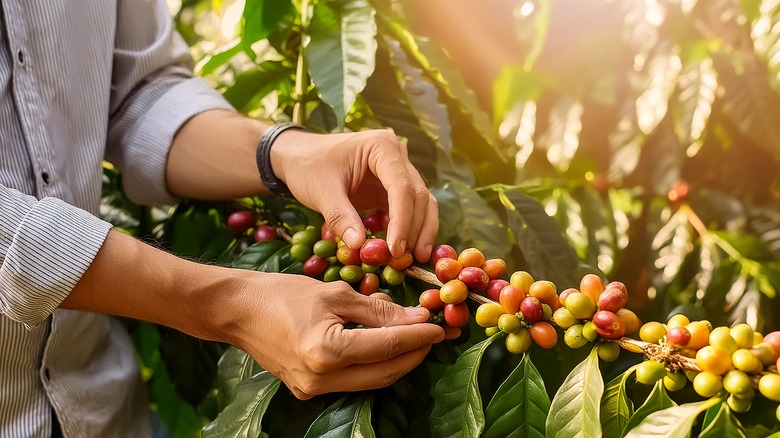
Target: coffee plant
{"points": [[630, 141]]}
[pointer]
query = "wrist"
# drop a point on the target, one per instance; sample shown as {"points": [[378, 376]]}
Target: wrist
{"points": [[287, 150], [269, 175]]}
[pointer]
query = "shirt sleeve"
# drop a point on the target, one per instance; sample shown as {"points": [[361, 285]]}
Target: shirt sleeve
{"points": [[45, 248], [153, 95]]}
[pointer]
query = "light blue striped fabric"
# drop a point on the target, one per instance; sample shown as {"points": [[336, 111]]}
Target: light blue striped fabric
{"points": [[79, 81]]}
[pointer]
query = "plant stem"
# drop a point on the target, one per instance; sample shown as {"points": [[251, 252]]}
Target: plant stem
{"points": [[301, 75]]}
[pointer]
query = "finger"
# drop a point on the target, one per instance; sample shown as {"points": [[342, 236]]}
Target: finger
{"points": [[388, 163], [361, 377], [428, 232], [451, 333], [382, 344], [343, 219], [421, 198], [378, 313]]}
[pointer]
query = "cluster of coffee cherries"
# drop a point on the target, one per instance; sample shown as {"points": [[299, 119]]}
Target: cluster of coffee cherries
{"points": [[367, 268], [245, 222], [736, 359]]}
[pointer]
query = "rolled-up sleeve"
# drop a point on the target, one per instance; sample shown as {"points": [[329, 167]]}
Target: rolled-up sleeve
{"points": [[45, 248], [153, 95]]}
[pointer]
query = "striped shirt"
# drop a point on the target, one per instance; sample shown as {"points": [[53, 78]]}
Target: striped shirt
{"points": [[80, 81]]}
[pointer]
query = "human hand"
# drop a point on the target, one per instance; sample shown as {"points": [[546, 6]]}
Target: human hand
{"points": [[296, 331], [337, 173]]}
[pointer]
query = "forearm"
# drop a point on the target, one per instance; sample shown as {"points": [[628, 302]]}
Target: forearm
{"points": [[131, 279]]}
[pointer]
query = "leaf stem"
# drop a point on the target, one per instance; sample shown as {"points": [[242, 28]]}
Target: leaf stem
{"points": [[301, 75]]}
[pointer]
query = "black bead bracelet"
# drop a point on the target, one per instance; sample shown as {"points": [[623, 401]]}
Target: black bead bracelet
{"points": [[267, 175]]}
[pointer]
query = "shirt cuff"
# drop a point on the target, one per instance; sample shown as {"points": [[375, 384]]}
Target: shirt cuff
{"points": [[50, 251], [147, 148]]}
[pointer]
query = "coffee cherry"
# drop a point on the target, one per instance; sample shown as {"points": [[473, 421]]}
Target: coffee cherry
{"points": [[488, 313], [264, 233], [301, 252], [739, 405], [308, 236], [456, 315], [714, 360], [490, 331], [431, 300], [442, 251], [374, 223], [652, 332], [589, 331], [517, 343], [743, 335], [678, 336], [764, 352], [348, 256], [649, 372], [678, 320], [325, 248], [393, 277], [608, 351], [580, 305], [326, 232], [401, 262], [546, 312], [573, 337], [769, 386], [773, 339], [375, 252], [454, 292], [544, 335], [509, 323], [511, 298], [566, 293], [369, 284], [471, 257], [745, 361], [707, 384], [494, 268], [721, 337], [757, 338], [351, 274], [737, 382], [612, 299], [609, 325], [521, 279], [315, 265], [630, 320], [369, 268], [240, 222], [564, 319], [474, 278], [700, 335], [494, 287], [532, 309], [543, 290], [447, 269], [592, 286], [332, 274], [674, 381]]}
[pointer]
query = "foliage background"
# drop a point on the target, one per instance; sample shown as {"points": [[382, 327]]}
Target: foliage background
{"points": [[647, 131]]}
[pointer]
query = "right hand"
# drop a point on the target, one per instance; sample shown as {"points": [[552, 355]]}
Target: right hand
{"points": [[294, 328]]}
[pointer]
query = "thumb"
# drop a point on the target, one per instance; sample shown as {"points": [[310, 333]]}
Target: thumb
{"points": [[380, 313], [343, 219]]}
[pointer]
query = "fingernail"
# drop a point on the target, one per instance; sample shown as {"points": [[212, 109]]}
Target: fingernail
{"points": [[350, 237]]}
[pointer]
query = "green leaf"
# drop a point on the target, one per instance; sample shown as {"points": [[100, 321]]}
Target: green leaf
{"points": [[244, 415], [256, 255], [725, 425], [520, 405], [234, 367], [674, 422], [656, 401], [538, 236], [261, 17], [577, 403], [219, 59], [191, 363], [696, 93], [514, 85], [256, 83], [341, 51], [710, 415], [348, 417], [616, 407], [457, 409], [479, 227]]}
